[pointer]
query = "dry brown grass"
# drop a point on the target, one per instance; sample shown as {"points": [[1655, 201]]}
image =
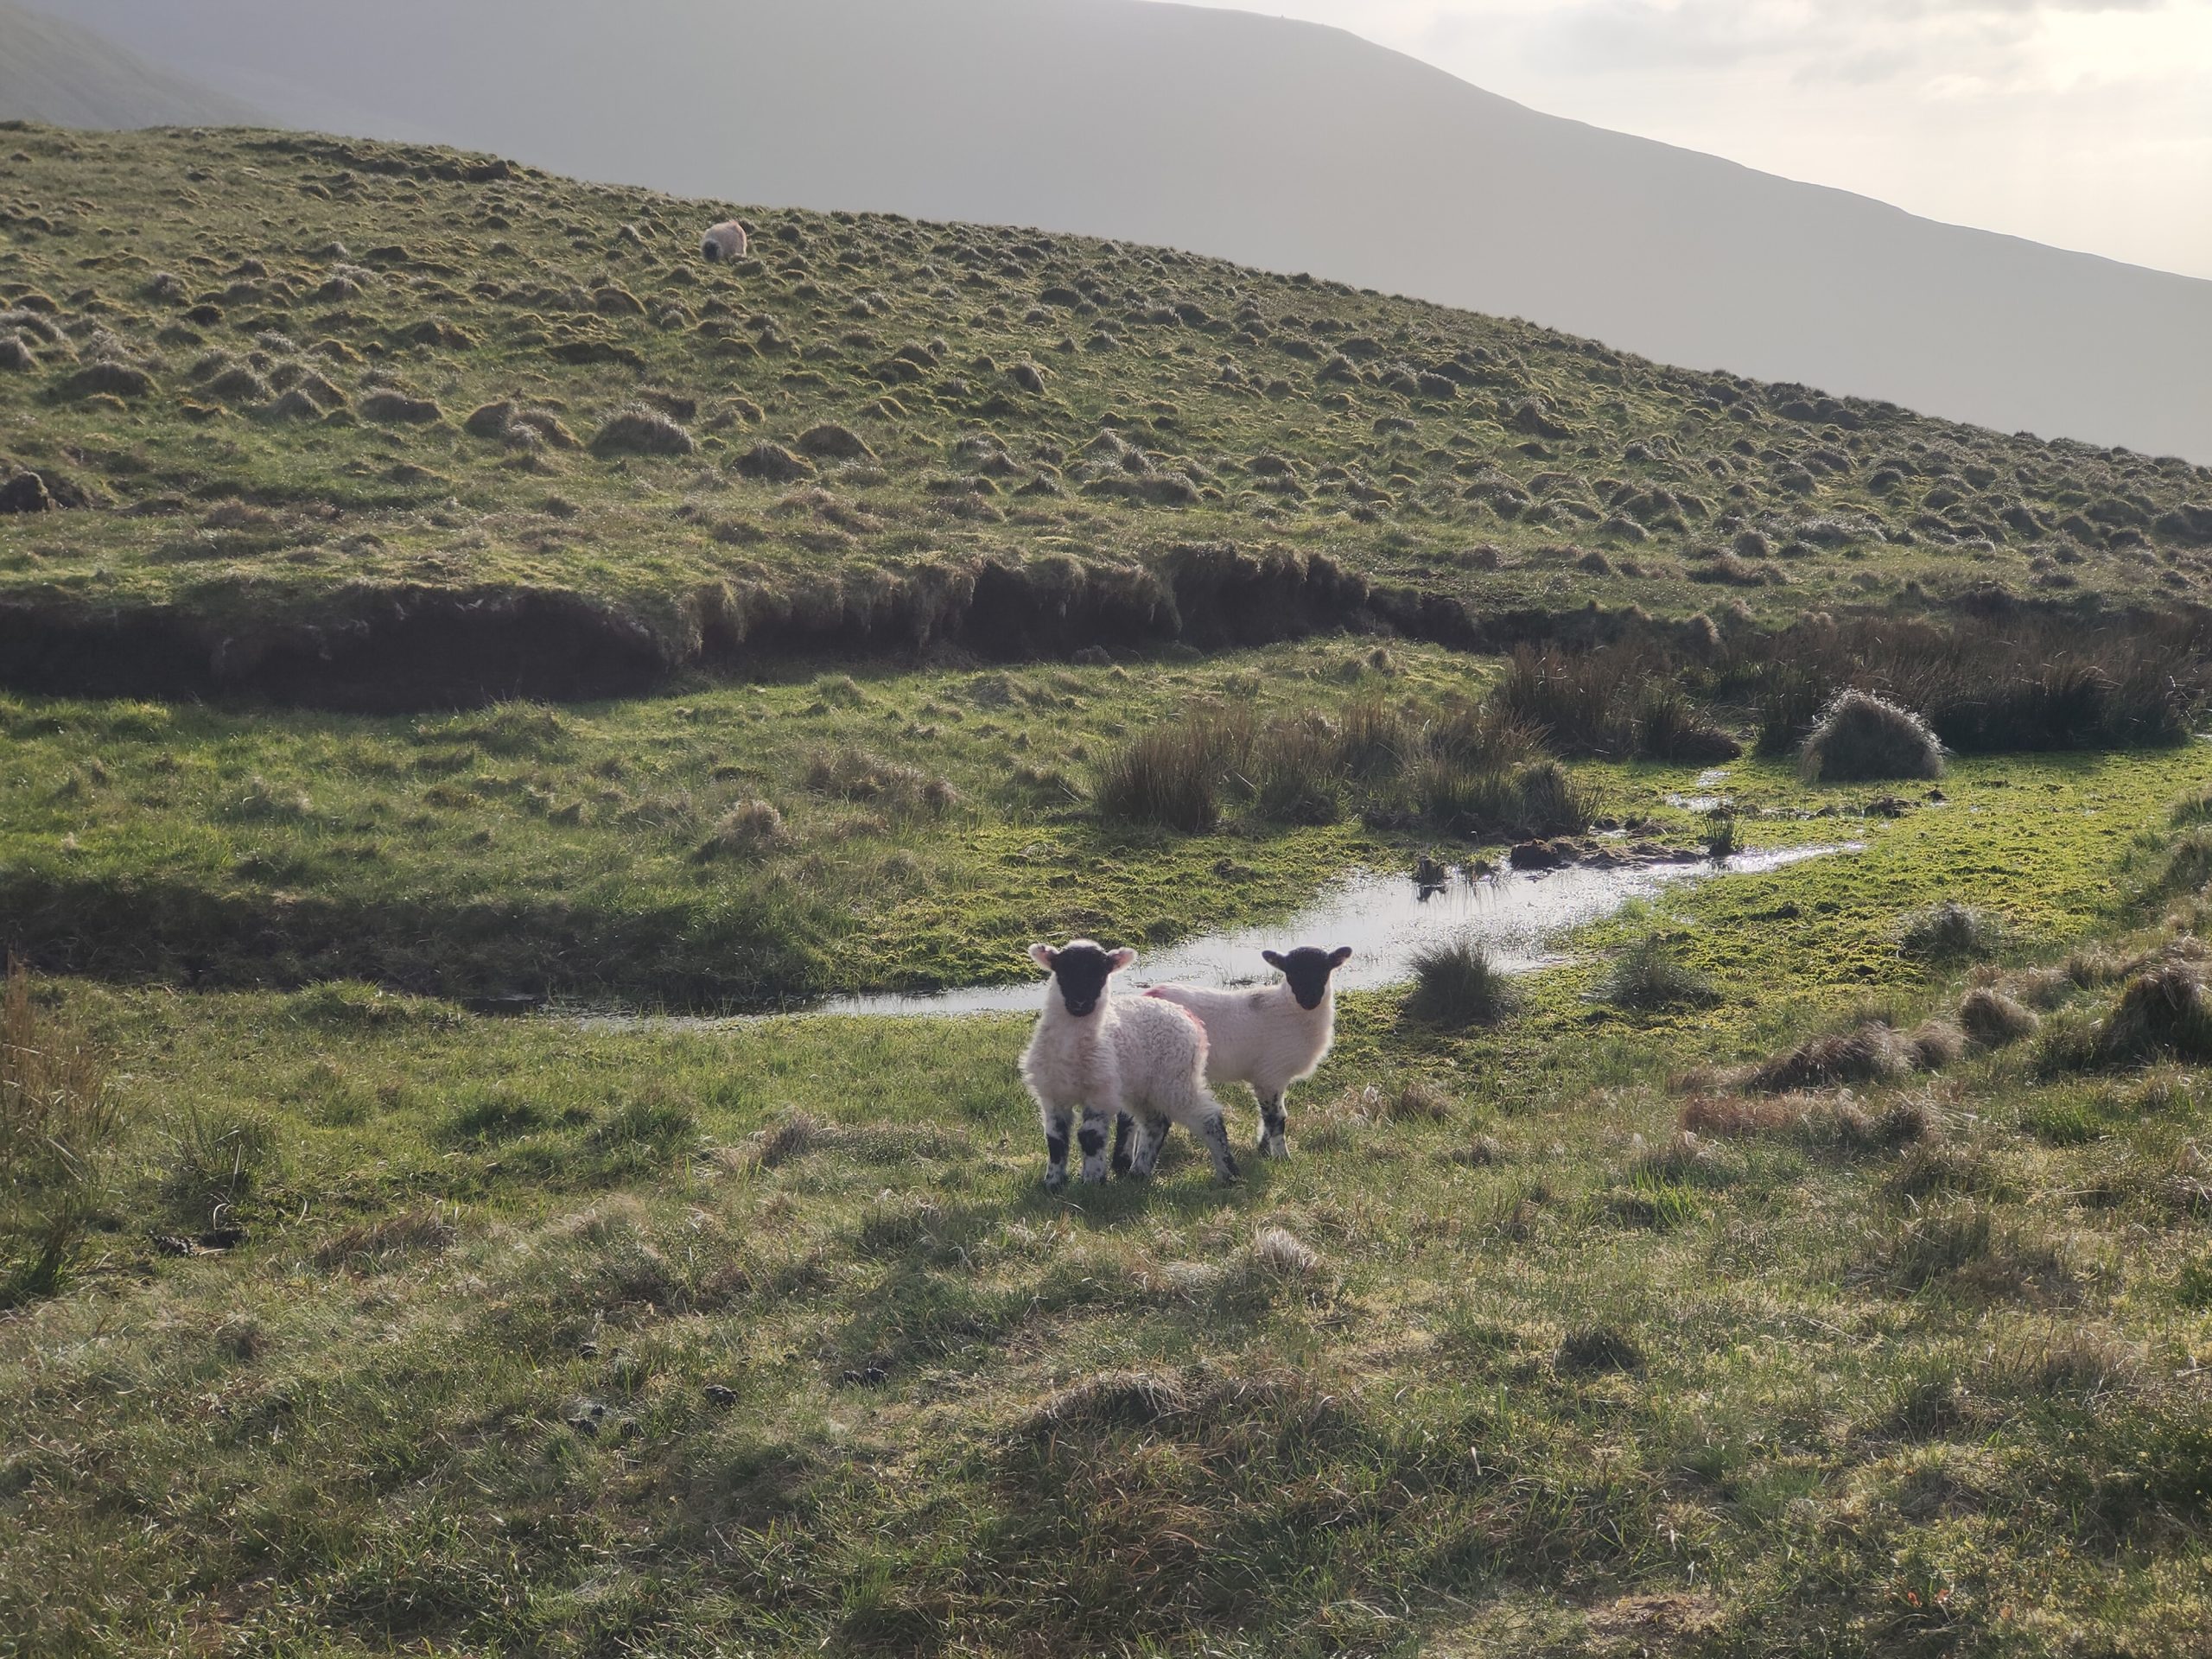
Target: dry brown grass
{"points": [[1821, 1118], [369, 1245]]}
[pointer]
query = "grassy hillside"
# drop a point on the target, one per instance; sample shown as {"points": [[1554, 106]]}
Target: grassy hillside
{"points": [[1809, 1261], [345, 423]]}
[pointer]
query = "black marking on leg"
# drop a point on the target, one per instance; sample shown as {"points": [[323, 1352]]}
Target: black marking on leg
{"points": [[1056, 1150], [1274, 1125], [1152, 1134], [1124, 1125], [1092, 1139], [1217, 1138]]}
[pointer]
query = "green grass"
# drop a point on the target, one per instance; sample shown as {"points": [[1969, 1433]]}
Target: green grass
{"points": [[1546, 1356], [241, 528], [1932, 1392]]}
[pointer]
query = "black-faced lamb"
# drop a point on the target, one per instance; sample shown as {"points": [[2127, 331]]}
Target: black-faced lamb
{"points": [[724, 243], [1136, 1059], [1269, 1038]]}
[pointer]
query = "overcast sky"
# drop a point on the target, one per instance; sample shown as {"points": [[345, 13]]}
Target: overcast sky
{"points": [[2085, 123]]}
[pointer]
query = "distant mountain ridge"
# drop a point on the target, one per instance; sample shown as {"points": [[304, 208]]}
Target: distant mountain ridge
{"points": [[53, 70], [1276, 145]]}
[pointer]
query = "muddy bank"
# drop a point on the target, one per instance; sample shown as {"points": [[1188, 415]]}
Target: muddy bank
{"points": [[391, 650], [399, 650], [411, 648]]}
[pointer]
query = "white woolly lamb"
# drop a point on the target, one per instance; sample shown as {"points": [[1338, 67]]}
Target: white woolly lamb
{"points": [[1270, 1038], [1136, 1059], [725, 243]]}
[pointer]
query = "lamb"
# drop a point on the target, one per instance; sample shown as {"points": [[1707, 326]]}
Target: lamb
{"points": [[1269, 1038], [1134, 1059], [725, 243]]}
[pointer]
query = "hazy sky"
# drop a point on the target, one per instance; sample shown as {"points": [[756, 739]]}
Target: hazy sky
{"points": [[2085, 123]]}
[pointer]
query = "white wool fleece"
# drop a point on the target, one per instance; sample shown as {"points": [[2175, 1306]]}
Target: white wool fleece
{"points": [[1260, 1037], [1134, 1053]]}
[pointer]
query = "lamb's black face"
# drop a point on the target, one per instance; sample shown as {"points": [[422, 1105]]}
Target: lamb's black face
{"points": [[1082, 971], [1307, 969]]}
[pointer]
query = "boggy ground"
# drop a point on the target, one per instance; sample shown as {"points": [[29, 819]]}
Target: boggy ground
{"points": [[527, 1339], [756, 845], [366, 425]]}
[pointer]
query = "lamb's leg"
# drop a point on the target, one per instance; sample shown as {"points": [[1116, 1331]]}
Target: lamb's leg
{"points": [[1215, 1133], [1124, 1127], [1195, 1108], [1152, 1134], [1057, 1119], [1092, 1138], [1274, 1127]]}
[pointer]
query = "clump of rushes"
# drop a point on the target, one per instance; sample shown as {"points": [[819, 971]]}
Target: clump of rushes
{"points": [[1647, 975], [1457, 984], [1669, 726], [1860, 735], [1721, 840], [1949, 931], [1174, 774]]}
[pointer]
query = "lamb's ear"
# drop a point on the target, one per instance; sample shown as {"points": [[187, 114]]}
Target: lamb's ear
{"points": [[1121, 958], [1043, 955], [1340, 955], [1274, 959]]}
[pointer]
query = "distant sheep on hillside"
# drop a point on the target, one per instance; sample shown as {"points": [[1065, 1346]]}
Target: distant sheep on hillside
{"points": [[725, 243]]}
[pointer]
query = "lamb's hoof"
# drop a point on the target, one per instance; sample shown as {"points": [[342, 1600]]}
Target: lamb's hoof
{"points": [[1274, 1148], [1055, 1180]]}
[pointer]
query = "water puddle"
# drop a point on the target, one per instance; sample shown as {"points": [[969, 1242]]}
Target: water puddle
{"points": [[1385, 919], [1711, 778]]}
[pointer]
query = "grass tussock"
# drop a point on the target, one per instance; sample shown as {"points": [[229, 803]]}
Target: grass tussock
{"points": [[1874, 1052], [1647, 976], [1995, 1019], [59, 1121], [1861, 736], [749, 829], [1950, 932], [1174, 775], [1618, 701], [1836, 1118], [1966, 1248], [1456, 985], [641, 430], [387, 1241], [2164, 1011]]}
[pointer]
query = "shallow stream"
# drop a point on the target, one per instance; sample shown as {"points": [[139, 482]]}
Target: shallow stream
{"points": [[1386, 919]]}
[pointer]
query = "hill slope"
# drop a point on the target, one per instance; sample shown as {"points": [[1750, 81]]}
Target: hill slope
{"points": [[1269, 143], [54, 70], [343, 422]]}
